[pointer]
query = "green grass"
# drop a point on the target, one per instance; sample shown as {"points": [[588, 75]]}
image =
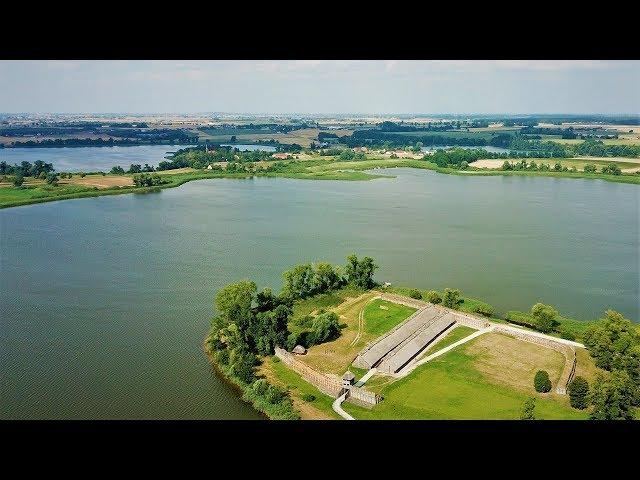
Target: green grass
{"points": [[457, 333], [571, 325], [450, 388], [299, 387], [379, 320], [324, 301]]}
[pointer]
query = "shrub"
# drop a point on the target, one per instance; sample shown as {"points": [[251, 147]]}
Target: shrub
{"points": [[578, 390], [433, 296], [541, 382], [18, 180], [451, 298], [527, 412], [484, 309], [325, 328], [611, 169], [52, 179], [415, 293], [307, 397], [545, 316], [42, 176], [590, 168]]}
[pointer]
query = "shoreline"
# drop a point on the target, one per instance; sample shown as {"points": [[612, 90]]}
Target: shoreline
{"points": [[235, 386], [355, 173]]}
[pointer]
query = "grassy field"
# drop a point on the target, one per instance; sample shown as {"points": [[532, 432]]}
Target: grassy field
{"points": [[378, 317], [337, 355], [457, 333], [473, 382], [381, 316], [279, 374]]}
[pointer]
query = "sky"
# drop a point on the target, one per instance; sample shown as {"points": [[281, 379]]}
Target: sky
{"points": [[320, 86]]}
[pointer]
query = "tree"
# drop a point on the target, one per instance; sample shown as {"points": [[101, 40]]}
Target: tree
{"points": [[18, 179], [527, 412], [541, 381], [325, 278], [545, 317], [234, 297], [325, 328], [433, 297], [299, 281], [52, 179], [612, 398], [117, 170], [360, 272], [135, 168], [590, 168], [451, 298], [578, 390]]}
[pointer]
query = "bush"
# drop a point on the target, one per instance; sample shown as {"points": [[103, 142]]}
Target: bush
{"points": [[415, 293], [484, 309], [307, 397], [528, 408], [541, 382], [451, 298], [433, 297], [611, 169], [590, 168], [578, 390], [18, 180]]}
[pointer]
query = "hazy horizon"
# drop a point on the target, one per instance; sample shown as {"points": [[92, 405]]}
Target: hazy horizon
{"points": [[321, 87]]}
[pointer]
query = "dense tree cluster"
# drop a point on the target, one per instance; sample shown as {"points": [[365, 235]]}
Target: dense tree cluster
{"points": [[26, 169], [253, 323], [148, 180], [614, 344]]}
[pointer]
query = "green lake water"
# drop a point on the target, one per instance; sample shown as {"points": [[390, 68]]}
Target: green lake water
{"points": [[105, 302]]}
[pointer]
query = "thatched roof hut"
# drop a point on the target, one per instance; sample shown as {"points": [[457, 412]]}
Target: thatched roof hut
{"points": [[299, 350]]}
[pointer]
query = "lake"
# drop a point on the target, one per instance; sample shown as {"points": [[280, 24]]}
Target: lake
{"points": [[105, 302], [90, 159]]}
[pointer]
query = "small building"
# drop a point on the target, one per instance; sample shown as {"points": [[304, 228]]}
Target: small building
{"points": [[386, 284], [209, 167], [299, 350], [348, 379], [281, 156]]}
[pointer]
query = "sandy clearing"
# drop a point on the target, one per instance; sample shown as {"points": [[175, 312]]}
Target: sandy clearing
{"points": [[99, 181], [487, 164]]}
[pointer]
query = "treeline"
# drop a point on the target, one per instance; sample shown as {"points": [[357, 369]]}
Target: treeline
{"points": [[609, 169], [26, 169], [110, 142], [569, 133], [251, 323], [377, 138]]}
